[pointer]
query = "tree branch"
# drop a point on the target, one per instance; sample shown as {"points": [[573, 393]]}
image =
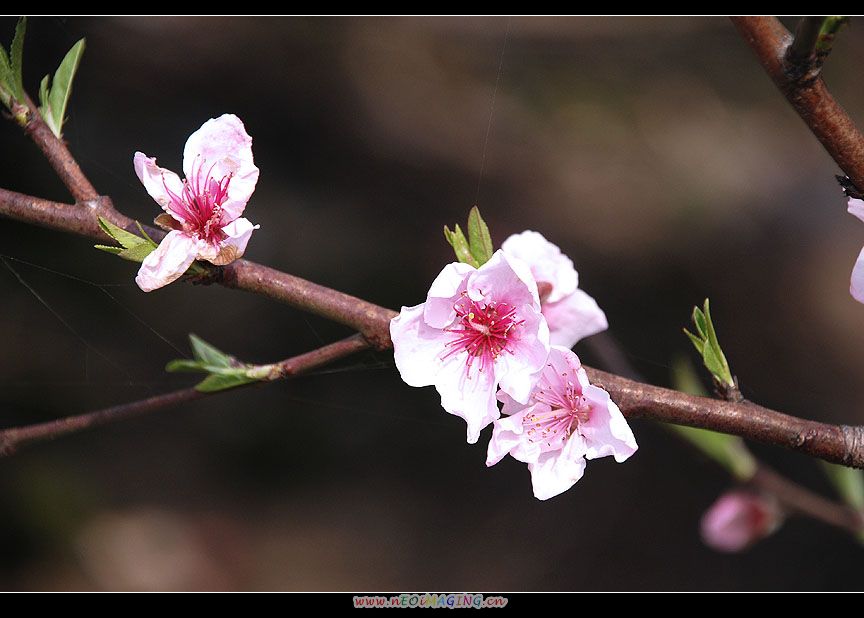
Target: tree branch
{"points": [[834, 443], [13, 438], [54, 149], [829, 122], [801, 500]]}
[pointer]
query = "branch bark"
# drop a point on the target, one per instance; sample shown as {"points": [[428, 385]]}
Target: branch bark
{"points": [[13, 438], [828, 121]]}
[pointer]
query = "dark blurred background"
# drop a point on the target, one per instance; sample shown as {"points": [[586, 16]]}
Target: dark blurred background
{"points": [[655, 152]]}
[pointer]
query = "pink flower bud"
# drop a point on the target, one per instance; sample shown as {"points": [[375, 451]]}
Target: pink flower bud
{"points": [[738, 519]]}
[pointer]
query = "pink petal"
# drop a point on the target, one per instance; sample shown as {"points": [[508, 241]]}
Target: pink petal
{"points": [[518, 372], [575, 317], [856, 207], [606, 432], [546, 261], [509, 275], [167, 262], [221, 146], [856, 287], [511, 406], [506, 435], [416, 347], [557, 471], [159, 182], [439, 312], [234, 246], [470, 395]]}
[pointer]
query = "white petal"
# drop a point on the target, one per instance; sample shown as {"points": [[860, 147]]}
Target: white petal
{"points": [[470, 395], [221, 147], [573, 318], [234, 246], [606, 432], [557, 471], [416, 347], [546, 261], [856, 207], [449, 283], [506, 435], [159, 182], [856, 287], [518, 372], [509, 278], [167, 262]]}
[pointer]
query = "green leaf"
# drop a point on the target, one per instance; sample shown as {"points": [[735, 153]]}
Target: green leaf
{"points": [[55, 101], [209, 355], [479, 240], [729, 451], [706, 343], [16, 56], [109, 249], [460, 246], [213, 383], [698, 343], [184, 365], [849, 483], [127, 239], [5, 73], [135, 248]]}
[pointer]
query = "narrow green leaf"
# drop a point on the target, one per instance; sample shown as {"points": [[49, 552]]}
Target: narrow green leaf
{"points": [[185, 365], [460, 246], [110, 249], [5, 73], [16, 56], [213, 383], [699, 322], [728, 451], [127, 239], [137, 253], [698, 343], [209, 355], [849, 483], [724, 374], [479, 240], [146, 235], [54, 112], [43, 91], [714, 364]]}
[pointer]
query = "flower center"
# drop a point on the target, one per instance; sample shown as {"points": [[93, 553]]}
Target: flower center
{"points": [[568, 408], [200, 201], [483, 330]]}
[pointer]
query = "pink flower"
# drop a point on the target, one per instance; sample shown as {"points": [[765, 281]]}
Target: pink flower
{"points": [[571, 313], [738, 519], [478, 329], [566, 421], [203, 211], [856, 288]]}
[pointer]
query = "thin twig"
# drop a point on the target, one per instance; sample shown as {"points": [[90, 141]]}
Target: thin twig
{"points": [[829, 122], [802, 501], [802, 51], [838, 444], [13, 438], [59, 157]]}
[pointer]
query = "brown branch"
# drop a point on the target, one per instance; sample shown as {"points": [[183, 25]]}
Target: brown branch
{"points": [[801, 500], [58, 155], [365, 317], [841, 444], [838, 444], [13, 438], [829, 122]]}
